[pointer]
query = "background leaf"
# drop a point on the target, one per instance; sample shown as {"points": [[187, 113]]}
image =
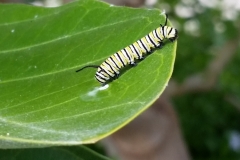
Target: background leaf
{"points": [[43, 101], [71, 153]]}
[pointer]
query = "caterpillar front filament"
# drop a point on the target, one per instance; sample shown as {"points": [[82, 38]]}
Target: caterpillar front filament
{"points": [[111, 67]]}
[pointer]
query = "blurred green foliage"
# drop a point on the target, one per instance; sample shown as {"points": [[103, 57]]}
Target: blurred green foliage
{"points": [[230, 81], [207, 118]]}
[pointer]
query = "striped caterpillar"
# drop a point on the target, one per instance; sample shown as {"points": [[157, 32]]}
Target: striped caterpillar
{"points": [[111, 67]]}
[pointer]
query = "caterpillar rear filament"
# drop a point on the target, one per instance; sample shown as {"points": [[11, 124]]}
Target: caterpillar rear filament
{"points": [[110, 68]]}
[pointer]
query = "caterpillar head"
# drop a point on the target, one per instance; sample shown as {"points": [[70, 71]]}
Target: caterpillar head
{"points": [[169, 32]]}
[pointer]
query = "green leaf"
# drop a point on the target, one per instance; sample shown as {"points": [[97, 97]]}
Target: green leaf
{"points": [[43, 101], [60, 153]]}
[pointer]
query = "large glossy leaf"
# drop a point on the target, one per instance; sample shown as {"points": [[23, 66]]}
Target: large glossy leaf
{"points": [[43, 101]]}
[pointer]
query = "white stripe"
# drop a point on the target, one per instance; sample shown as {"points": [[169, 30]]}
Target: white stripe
{"points": [[101, 76], [116, 56], [161, 30], [111, 67], [138, 52], [115, 68], [134, 52], [107, 69], [119, 67], [145, 45], [137, 48], [149, 42], [99, 79], [140, 44], [155, 42], [125, 55], [155, 34]]}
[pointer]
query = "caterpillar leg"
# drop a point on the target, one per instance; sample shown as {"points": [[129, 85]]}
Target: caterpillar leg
{"points": [[116, 76], [133, 64], [150, 52], [160, 45], [172, 39]]}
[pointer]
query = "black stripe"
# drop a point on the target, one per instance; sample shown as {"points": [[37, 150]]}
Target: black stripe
{"points": [[143, 45], [101, 77], [127, 55], [98, 77], [157, 35], [151, 41], [120, 59], [163, 31], [110, 67], [136, 51], [114, 62], [105, 71], [170, 30]]}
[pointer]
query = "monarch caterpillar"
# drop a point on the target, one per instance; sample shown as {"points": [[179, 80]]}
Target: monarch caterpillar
{"points": [[109, 69]]}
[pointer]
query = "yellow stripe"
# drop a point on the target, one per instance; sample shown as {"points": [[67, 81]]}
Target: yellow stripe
{"points": [[118, 60], [119, 64], [130, 53], [127, 57], [107, 69], [124, 59], [140, 51], [153, 38], [168, 29], [105, 74], [112, 65], [146, 44], [159, 32], [135, 55]]}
